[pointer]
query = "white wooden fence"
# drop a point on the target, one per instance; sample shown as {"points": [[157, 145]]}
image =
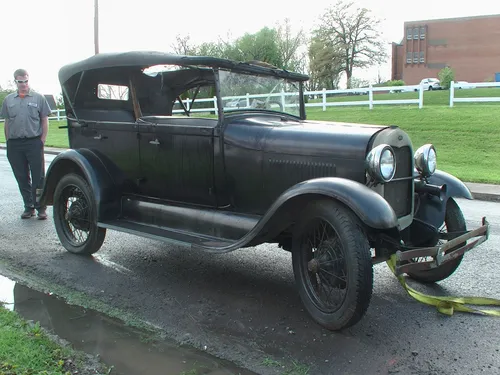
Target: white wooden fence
{"points": [[324, 95], [465, 85]]}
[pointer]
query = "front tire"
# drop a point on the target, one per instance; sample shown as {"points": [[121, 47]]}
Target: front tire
{"points": [[331, 258], [75, 216], [453, 222]]}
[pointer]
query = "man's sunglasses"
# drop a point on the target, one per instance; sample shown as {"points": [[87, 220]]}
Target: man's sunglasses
{"points": [[21, 81]]}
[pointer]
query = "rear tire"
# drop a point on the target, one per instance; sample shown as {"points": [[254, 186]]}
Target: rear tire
{"points": [[75, 216], [331, 255], [453, 222]]}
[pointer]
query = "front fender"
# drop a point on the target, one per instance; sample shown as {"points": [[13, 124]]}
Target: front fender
{"points": [[370, 207], [104, 185], [455, 187]]}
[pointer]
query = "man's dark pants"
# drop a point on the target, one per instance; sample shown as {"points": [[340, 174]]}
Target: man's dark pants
{"points": [[25, 155]]}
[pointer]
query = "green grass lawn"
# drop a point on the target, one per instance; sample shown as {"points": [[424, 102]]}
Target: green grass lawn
{"points": [[467, 137], [25, 349]]}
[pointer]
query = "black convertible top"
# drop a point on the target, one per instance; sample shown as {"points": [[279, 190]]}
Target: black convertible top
{"points": [[144, 59]]}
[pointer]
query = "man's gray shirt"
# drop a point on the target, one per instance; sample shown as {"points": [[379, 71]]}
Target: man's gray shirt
{"points": [[23, 114]]}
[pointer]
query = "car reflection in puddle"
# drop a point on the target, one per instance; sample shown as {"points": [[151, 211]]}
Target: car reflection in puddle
{"points": [[119, 346]]}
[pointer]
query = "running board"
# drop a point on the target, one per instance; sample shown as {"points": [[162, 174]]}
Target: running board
{"points": [[169, 235]]}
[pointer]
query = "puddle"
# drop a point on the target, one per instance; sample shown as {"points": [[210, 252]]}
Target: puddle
{"points": [[117, 345]]}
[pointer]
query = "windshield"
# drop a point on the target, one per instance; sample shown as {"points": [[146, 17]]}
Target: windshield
{"points": [[244, 91]]}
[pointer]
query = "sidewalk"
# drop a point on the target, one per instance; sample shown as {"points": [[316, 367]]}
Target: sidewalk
{"points": [[484, 192]]}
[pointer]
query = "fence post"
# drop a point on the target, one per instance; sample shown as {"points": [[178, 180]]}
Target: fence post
{"points": [[58, 114], [215, 103], [452, 92], [187, 104], [421, 96], [370, 96], [283, 99], [324, 99], [248, 99]]}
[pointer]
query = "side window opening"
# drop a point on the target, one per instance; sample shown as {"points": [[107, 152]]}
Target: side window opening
{"points": [[112, 92]]}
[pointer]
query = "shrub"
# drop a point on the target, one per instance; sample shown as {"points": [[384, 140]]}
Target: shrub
{"points": [[397, 82], [446, 75]]}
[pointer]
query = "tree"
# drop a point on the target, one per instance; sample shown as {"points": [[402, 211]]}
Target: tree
{"points": [[261, 46], [325, 65], [182, 45], [4, 92], [353, 34], [289, 45]]}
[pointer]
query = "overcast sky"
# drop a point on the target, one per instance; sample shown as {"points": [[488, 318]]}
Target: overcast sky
{"points": [[43, 35]]}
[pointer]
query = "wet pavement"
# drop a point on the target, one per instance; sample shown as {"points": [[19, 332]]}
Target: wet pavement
{"points": [[244, 307], [127, 350]]}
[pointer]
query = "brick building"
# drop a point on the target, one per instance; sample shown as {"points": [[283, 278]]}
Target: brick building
{"points": [[469, 45]]}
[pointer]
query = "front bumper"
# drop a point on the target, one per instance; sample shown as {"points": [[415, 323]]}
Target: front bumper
{"points": [[405, 259]]}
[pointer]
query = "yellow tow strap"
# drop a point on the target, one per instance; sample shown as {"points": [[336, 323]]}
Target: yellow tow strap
{"points": [[447, 305]]}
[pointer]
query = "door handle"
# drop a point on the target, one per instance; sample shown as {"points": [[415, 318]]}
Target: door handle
{"points": [[155, 142], [99, 137]]}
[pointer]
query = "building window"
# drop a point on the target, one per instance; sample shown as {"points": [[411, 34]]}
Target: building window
{"points": [[408, 57], [415, 57], [422, 33], [409, 33], [422, 56], [415, 33]]}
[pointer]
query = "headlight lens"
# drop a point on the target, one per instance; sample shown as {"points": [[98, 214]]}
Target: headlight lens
{"points": [[387, 165], [426, 160], [381, 163]]}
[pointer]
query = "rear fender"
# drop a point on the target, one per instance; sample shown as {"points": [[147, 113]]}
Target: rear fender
{"points": [[105, 186]]}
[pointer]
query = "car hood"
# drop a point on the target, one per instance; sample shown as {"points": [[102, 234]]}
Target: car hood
{"points": [[321, 138]]}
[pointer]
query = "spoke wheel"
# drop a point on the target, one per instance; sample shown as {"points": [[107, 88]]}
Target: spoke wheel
{"points": [[75, 216], [332, 265], [453, 222]]}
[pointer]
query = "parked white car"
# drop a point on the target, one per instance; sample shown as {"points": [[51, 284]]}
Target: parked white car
{"points": [[431, 84], [464, 85]]}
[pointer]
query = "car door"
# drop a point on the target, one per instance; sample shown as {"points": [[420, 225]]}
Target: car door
{"points": [[177, 159], [114, 139]]}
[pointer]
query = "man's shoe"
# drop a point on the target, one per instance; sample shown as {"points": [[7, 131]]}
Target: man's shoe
{"points": [[28, 213], [42, 215]]}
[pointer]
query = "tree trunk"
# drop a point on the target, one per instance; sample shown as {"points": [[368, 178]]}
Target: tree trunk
{"points": [[348, 73]]}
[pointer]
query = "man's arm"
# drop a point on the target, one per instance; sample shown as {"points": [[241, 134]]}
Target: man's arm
{"points": [[5, 125], [45, 112], [45, 128]]}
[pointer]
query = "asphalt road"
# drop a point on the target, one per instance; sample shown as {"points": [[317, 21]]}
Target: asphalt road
{"points": [[243, 305]]}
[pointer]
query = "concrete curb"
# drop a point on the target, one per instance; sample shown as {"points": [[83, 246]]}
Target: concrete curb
{"points": [[482, 192]]}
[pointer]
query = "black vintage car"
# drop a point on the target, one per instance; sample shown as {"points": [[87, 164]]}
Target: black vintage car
{"points": [[218, 155]]}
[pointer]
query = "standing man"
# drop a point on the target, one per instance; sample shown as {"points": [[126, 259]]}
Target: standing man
{"points": [[26, 126]]}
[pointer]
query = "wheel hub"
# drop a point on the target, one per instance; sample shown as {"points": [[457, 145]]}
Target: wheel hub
{"points": [[313, 265], [76, 216]]}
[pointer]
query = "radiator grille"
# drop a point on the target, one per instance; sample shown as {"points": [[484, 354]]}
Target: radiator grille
{"points": [[399, 193]]}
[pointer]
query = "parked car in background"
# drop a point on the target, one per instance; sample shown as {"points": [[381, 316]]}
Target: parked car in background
{"points": [[431, 84], [340, 197], [464, 85]]}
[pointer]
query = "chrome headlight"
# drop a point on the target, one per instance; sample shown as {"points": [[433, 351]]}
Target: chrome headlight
{"points": [[426, 160], [381, 163]]}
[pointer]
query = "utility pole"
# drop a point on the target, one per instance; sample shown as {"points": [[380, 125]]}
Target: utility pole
{"points": [[96, 26]]}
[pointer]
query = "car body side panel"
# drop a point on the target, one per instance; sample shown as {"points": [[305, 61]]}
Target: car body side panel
{"points": [[265, 154]]}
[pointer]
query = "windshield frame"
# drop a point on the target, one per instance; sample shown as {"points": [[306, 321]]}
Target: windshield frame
{"points": [[222, 101]]}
